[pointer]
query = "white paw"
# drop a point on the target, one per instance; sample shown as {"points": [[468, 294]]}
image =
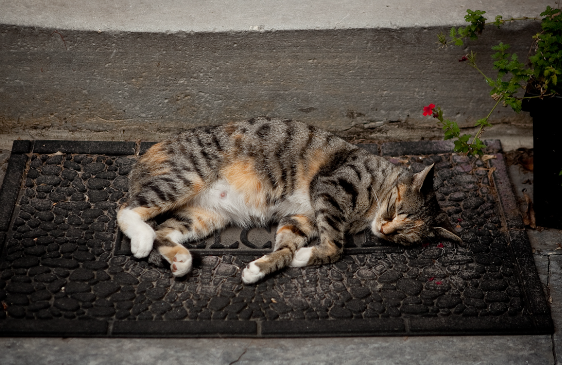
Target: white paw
{"points": [[251, 274], [142, 240], [181, 264], [301, 257]]}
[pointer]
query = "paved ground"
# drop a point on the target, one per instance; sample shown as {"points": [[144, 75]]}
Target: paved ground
{"points": [[542, 349]]}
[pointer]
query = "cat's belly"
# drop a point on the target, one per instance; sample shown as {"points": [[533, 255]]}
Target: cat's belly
{"points": [[246, 208]]}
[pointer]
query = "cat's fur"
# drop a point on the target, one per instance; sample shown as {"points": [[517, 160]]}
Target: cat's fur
{"points": [[310, 181]]}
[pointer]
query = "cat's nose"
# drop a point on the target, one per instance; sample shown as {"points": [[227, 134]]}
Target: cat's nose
{"points": [[387, 229]]}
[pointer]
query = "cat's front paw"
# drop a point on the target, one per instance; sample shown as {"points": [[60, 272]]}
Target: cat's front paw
{"points": [[252, 273], [141, 241], [302, 256], [181, 264]]}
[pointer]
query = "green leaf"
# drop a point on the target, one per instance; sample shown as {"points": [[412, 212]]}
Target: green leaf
{"points": [[477, 23], [482, 123], [514, 103], [454, 127], [439, 114], [441, 38], [459, 146], [478, 144]]}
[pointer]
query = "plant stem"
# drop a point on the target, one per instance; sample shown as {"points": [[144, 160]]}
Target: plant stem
{"points": [[537, 96], [473, 64], [486, 119], [513, 19]]}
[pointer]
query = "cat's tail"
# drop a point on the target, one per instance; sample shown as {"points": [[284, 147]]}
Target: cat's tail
{"points": [[132, 222]]}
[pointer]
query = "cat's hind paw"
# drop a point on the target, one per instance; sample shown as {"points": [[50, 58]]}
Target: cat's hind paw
{"points": [[181, 264], [302, 256], [252, 273], [142, 240]]}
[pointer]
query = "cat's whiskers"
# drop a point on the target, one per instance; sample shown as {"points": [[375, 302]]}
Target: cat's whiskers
{"points": [[376, 198]]}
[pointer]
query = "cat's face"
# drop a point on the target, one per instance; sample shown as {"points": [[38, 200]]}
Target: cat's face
{"points": [[410, 214]]}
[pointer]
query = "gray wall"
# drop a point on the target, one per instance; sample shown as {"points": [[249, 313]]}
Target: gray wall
{"points": [[161, 82]]}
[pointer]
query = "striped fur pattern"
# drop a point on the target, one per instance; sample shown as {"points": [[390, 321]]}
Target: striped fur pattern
{"points": [[251, 173]]}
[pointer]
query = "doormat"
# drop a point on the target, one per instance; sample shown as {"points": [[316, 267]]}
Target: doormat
{"points": [[66, 270]]}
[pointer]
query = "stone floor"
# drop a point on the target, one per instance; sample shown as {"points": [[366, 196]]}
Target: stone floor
{"points": [[542, 349]]}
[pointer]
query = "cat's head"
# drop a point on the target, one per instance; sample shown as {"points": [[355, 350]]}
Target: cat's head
{"points": [[410, 214]]}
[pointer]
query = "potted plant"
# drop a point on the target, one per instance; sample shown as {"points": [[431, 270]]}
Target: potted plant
{"points": [[542, 98]]}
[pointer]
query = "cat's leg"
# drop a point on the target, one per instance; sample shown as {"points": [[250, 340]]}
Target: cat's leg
{"points": [[132, 224], [168, 237], [159, 196], [160, 181], [187, 225], [329, 249], [293, 232]]}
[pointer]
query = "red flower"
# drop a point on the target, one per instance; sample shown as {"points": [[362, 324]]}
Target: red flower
{"points": [[438, 283], [440, 245], [428, 110], [431, 278], [463, 58]]}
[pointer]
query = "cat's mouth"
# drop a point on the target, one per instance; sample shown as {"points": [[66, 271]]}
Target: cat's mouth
{"points": [[383, 232], [383, 229], [379, 231]]}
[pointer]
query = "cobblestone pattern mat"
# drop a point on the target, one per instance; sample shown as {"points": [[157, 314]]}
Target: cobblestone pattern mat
{"points": [[67, 271]]}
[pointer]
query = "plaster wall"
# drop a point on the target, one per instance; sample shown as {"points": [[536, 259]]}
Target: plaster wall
{"points": [[129, 70]]}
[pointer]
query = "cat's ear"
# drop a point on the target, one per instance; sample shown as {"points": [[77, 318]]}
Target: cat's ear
{"points": [[446, 234], [444, 229], [423, 180]]}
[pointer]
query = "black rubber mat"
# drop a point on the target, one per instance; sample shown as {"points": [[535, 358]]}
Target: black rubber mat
{"points": [[66, 270]]}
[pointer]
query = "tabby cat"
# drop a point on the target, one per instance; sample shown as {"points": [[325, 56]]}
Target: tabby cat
{"points": [[251, 173]]}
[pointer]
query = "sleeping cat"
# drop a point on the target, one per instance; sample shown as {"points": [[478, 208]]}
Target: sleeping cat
{"points": [[251, 173]]}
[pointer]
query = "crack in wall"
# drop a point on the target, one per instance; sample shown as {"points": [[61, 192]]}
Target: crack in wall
{"points": [[239, 357]]}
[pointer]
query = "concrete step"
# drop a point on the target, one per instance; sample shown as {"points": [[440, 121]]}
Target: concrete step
{"points": [[114, 70]]}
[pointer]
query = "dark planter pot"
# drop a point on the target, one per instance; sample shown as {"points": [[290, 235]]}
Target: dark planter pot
{"points": [[547, 160]]}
